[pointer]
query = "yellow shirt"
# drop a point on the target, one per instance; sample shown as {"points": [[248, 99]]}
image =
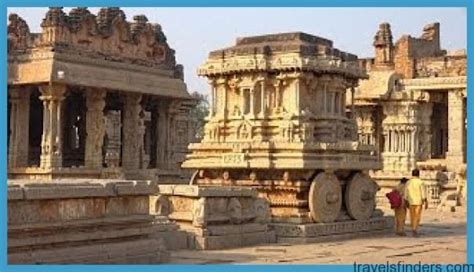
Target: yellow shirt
{"points": [[415, 192]]}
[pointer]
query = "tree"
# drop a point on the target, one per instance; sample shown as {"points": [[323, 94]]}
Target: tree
{"points": [[198, 115]]}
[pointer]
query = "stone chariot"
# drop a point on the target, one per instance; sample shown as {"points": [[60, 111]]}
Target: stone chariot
{"points": [[278, 123]]}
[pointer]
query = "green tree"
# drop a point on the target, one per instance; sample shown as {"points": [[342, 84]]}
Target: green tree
{"points": [[198, 114]]}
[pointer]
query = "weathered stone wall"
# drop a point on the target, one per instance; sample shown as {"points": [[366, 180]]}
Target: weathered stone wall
{"points": [[86, 221], [444, 66]]}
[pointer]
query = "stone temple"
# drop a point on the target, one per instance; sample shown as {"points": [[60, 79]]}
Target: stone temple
{"points": [[412, 108], [98, 111], [301, 142], [94, 96]]}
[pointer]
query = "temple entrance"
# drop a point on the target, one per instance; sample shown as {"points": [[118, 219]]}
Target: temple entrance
{"points": [[36, 128], [439, 127], [112, 149], [74, 129]]}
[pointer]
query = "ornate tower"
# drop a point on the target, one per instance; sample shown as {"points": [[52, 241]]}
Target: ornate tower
{"points": [[383, 43]]}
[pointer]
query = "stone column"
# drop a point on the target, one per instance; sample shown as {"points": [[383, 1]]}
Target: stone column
{"points": [[222, 85], [211, 106], [252, 102], [19, 127], [95, 127], [352, 102], [162, 134], [262, 99], [51, 144], [455, 129], [131, 142], [297, 96]]}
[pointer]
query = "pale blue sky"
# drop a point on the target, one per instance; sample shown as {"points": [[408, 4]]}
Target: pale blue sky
{"points": [[193, 32]]}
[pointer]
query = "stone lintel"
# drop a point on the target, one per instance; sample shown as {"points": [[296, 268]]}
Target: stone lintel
{"points": [[77, 188]]}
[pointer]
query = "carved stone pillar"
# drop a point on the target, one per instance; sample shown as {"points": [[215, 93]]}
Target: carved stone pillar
{"points": [[19, 127], [252, 102], [297, 96], [212, 98], [425, 111], [51, 144], [455, 129], [95, 127], [131, 140], [263, 109], [162, 134], [221, 84]]}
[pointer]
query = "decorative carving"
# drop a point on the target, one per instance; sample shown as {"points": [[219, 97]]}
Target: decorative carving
{"points": [[51, 144], [107, 34], [234, 210], [95, 126], [200, 212], [262, 210]]}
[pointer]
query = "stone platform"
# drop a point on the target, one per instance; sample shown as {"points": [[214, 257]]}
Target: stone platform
{"points": [[216, 217], [87, 221], [319, 232]]}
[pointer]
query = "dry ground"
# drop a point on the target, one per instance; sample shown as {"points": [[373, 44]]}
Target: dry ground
{"points": [[443, 240]]}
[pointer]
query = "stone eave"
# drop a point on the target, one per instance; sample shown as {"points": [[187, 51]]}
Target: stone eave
{"points": [[288, 61], [44, 67]]}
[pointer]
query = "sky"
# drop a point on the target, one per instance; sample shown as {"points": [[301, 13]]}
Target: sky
{"points": [[194, 32]]}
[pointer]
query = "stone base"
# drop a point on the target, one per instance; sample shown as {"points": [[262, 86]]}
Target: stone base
{"points": [[216, 217], [87, 222], [230, 236], [318, 232]]}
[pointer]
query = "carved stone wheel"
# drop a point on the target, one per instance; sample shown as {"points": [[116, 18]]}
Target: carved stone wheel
{"points": [[325, 198], [194, 177], [360, 196]]}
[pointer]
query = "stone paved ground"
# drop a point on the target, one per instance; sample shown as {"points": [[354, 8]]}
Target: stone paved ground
{"points": [[443, 240]]}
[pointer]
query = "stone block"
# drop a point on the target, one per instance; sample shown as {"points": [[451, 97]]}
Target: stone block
{"points": [[137, 188], [329, 229], [127, 205], [15, 193], [65, 225]]}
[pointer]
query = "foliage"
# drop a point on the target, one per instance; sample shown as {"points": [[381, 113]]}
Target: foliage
{"points": [[198, 115]]}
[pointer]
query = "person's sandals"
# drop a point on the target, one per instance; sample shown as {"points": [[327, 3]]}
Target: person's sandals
{"points": [[401, 234]]}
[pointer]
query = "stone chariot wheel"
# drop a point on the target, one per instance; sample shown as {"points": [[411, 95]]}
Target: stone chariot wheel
{"points": [[359, 196], [194, 177], [325, 198]]}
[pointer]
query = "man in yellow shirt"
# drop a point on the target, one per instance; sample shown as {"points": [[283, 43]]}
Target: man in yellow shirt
{"points": [[415, 196]]}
